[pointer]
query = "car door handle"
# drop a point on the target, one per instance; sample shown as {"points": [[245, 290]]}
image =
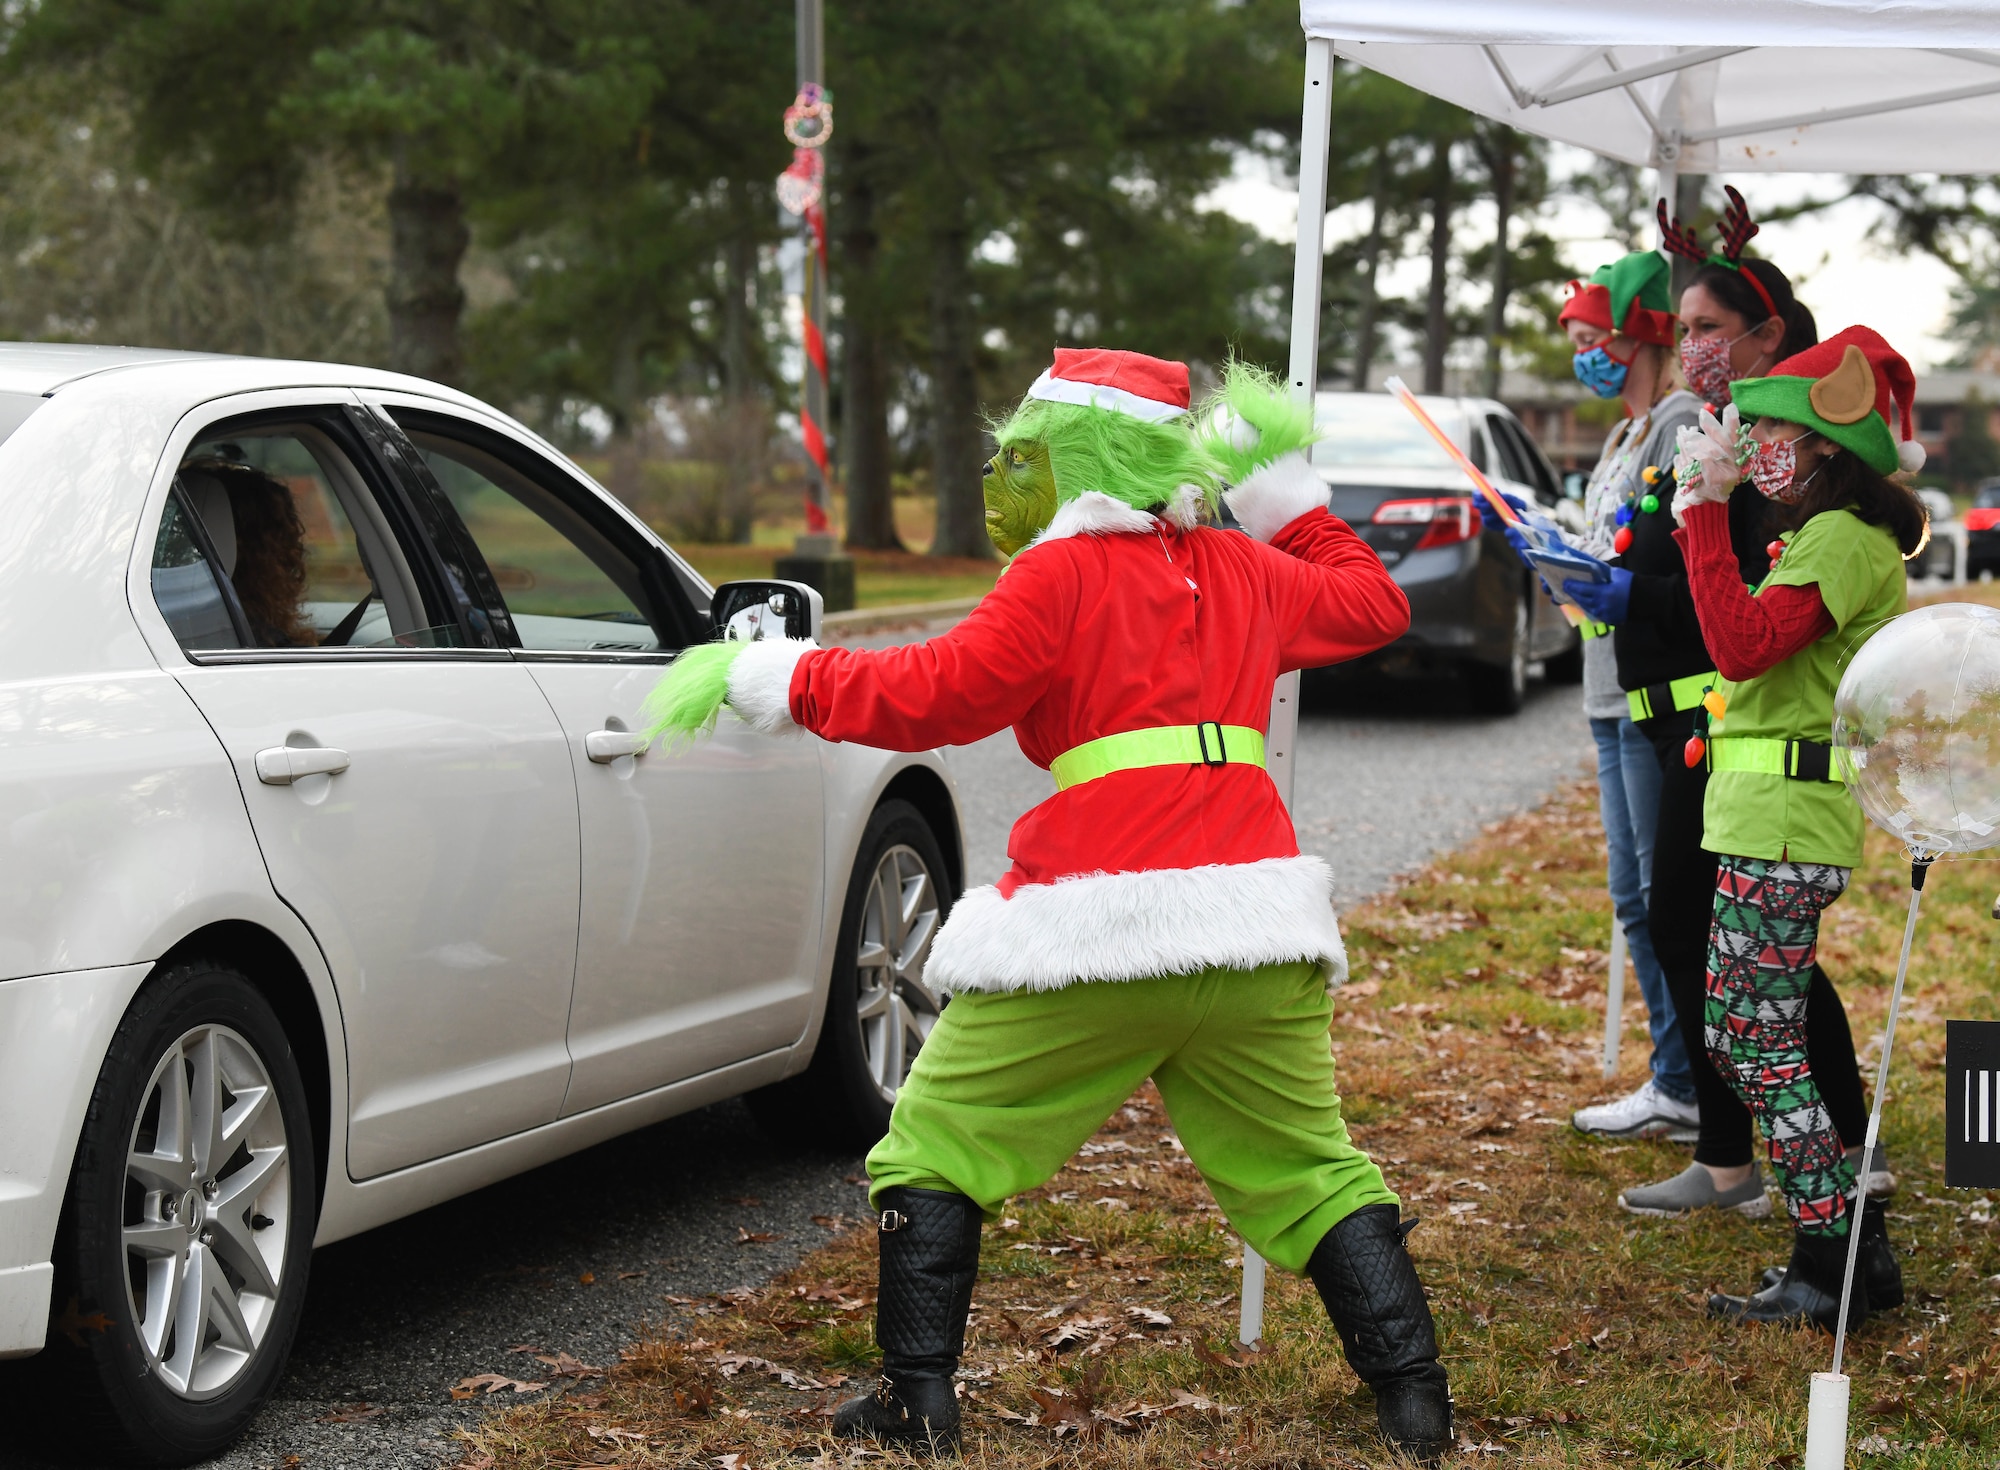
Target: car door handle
{"points": [[606, 746], [281, 765]]}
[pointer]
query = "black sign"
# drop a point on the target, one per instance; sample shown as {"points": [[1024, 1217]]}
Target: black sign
{"points": [[1972, 1104]]}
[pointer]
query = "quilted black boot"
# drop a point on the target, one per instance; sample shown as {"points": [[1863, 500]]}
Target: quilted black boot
{"points": [[1809, 1291], [1877, 1265], [929, 1244], [1370, 1287]]}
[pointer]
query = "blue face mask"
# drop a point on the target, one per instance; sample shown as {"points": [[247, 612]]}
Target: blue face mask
{"points": [[1600, 372]]}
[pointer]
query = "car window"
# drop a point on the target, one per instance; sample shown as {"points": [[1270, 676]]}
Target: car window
{"points": [[1371, 431], [14, 411], [1511, 464], [271, 538], [1987, 497], [1538, 475], [568, 587]]}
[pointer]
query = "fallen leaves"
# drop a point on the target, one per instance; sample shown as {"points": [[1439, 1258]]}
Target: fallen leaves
{"points": [[73, 1323], [492, 1383], [756, 1237], [730, 1364], [352, 1414]]}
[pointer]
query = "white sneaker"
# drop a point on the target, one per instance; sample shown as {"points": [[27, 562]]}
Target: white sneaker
{"points": [[1647, 1113]]}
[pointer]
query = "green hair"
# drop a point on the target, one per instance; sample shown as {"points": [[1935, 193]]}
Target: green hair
{"points": [[1260, 399], [1138, 463], [691, 693]]}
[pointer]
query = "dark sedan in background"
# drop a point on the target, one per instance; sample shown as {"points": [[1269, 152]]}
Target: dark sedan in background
{"points": [[1477, 615]]}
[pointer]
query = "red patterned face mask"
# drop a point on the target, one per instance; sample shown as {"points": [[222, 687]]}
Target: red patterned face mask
{"points": [[1706, 363], [1773, 468]]}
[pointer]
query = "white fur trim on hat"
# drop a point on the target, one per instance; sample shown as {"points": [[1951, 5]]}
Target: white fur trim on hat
{"points": [[1129, 926], [1910, 455], [1093, 513], [1102, 395], [760, 683], [1275, 495]]}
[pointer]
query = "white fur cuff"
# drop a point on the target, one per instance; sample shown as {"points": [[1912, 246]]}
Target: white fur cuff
{"points": [[760, 683], [1272, 497], [1129, 926]]}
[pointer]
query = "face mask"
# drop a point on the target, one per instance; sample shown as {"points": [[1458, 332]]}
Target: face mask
{"points": [[1600, 372], [1705, 361], [1772, 467]]}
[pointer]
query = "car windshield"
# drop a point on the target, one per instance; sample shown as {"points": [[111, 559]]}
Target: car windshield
{"points": [[1374, 430], [1987, 497]]}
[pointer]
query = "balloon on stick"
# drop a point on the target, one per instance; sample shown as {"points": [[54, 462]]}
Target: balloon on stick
{"points": [[1916, 739]]}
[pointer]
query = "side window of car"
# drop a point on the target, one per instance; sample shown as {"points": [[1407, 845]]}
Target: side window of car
{"points": [[1508, 451], [272, 538], [569, 584], [1537, 473]]}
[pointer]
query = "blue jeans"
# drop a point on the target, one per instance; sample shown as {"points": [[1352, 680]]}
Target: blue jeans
{"points": [[1628, 799]]}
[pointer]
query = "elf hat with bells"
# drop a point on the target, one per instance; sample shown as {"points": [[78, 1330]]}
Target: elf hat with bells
{"points": [[1846, 388], [1628, 296]]}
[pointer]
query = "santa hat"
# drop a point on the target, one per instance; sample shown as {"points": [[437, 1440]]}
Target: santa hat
{"points": [[1130, 383], [1850, 388], [1628, 296]]}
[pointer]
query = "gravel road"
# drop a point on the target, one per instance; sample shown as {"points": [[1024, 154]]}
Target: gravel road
{"points": [[574, 1257]]}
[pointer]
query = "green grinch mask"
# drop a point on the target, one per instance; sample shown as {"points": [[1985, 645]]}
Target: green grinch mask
{"points": [[1020, 491]]}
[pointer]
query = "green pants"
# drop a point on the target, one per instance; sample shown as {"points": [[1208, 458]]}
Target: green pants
{"points": [[1011, 1084]]}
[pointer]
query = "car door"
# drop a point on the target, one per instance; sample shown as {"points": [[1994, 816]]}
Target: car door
{"points": [[409, 787], [703, 878], [1551, 634]]}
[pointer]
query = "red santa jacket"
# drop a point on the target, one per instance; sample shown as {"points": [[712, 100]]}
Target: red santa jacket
{"points": [[1111, 621]]}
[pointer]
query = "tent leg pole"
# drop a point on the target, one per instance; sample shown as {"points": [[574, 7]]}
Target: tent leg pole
{"points": [[1315, 130]]}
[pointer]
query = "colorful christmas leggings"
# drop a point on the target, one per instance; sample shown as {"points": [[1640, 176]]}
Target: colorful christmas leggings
{"points": [[1760, 966]]}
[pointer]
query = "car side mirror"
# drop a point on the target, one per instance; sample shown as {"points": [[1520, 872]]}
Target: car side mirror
{"points": [[744, 612]]}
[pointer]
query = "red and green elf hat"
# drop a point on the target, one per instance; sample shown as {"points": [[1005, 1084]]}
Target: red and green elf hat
{"points": [[1628, 296], [1846, 389]]}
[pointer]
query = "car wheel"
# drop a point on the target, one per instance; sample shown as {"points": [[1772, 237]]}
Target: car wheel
{"points": [[1567, 666], [1500, 689], [187, 1230], [878, 1009]]}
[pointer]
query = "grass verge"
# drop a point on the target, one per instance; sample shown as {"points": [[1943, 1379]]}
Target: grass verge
{"points": [[1575, 1335]]}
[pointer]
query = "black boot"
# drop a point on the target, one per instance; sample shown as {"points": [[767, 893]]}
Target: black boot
{"points": [[1370, 1287], [1809, 1290], [1877, 1265], [929, 1244]]}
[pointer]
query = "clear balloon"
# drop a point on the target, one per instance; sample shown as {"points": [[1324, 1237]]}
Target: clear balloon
{"points": [[1916, 728]]}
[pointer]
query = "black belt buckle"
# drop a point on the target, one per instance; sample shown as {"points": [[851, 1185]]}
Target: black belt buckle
{"points": [[1659, 700], [1220, 755], [1808, 760]]}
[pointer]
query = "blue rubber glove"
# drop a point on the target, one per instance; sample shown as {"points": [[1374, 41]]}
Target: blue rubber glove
{"points": [[1506, 528], [1604, 602]]}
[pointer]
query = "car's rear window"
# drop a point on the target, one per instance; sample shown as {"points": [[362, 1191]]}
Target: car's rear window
{"points": [[1376, 431], [14, 411]]}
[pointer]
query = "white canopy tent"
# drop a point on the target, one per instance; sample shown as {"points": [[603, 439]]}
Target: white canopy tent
{"points": [[1695, 86]]}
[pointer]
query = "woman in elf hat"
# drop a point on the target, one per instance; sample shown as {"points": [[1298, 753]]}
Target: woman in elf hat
{"points": [[1737, 316], [1622, 327], [1787, 836], [1158, 919]]}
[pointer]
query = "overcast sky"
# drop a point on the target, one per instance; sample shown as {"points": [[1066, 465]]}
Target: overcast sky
{"points": [[1843, 276]]}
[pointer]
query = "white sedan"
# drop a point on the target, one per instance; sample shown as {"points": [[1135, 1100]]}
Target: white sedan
{"points": [[333, 880]]}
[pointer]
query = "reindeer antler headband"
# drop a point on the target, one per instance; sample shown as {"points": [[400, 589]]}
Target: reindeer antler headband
{"points": [[1737, 228]]}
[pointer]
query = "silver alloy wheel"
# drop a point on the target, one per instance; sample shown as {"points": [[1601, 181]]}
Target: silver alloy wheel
{"points": [[207, 1211], [899, 918], [1517, 652]]}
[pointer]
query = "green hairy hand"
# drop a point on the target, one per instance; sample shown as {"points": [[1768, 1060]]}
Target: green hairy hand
{"points": [[1252, 421], [691, 693]]}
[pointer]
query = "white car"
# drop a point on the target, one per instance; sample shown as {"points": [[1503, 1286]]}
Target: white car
{"points": [[333, 880]]}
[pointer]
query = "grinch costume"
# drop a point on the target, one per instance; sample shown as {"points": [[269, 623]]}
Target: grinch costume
{"points": [[1158, 919]]}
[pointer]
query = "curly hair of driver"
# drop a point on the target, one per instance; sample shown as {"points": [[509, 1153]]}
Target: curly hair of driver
{"points": [[270, 573]]}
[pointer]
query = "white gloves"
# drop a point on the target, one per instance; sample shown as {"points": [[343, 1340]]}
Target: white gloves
{"points": [[1708, 459]]}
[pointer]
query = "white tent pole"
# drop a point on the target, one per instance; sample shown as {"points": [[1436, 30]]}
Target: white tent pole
{"points": [[1315, 129]]}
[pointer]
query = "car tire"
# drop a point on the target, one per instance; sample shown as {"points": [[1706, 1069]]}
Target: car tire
{"points": [[898, 897], [1501, 689], [161, 1232], [1567, 666]]}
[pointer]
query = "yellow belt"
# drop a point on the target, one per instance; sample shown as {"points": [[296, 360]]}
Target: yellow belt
{"points": [[1206, 744], [1801, 760], [1669, 698]]}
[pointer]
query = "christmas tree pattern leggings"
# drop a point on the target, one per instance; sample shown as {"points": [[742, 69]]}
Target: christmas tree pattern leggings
{"points": [[1761, 948]]}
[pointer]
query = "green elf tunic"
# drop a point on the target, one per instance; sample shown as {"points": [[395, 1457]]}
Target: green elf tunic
{"points": [[1858, 570]]}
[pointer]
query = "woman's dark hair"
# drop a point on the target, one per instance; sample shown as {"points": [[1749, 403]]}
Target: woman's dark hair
{"points": [[1847, 480], [1729, 287], [270, 574]]}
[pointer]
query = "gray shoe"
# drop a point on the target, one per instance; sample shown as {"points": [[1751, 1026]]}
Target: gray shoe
{"points": [[1881, 1181], [1694, 1189]]}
